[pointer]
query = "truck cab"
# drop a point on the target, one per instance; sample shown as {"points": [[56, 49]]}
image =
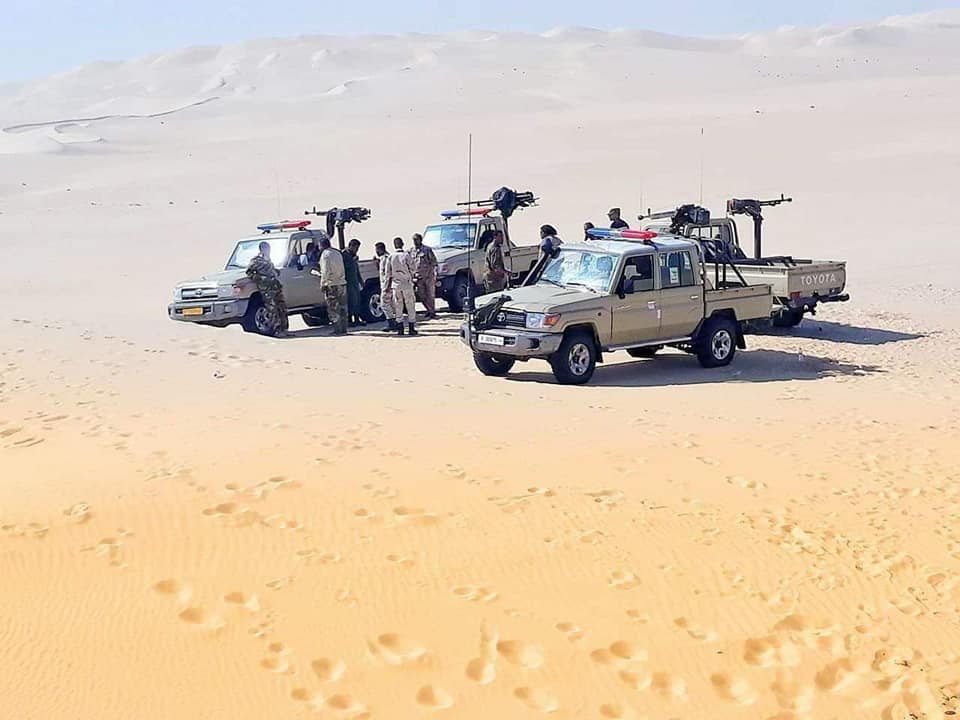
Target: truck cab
{"points": [[461, 241], [607, 295]]}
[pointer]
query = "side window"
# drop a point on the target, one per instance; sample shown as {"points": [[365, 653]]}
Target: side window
{"points": [[638, 274], [676, 270], [296, 250]]}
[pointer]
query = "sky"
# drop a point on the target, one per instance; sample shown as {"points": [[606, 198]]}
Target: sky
{"points": [[41, 37]]}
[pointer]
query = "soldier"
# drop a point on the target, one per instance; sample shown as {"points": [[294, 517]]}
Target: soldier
{"points": [[587, 227], [549, 240], [616, 222], [334, 284], [495, 275], [425, 261], [265, 276], [400, 272], [386, 292], [351, 267]]}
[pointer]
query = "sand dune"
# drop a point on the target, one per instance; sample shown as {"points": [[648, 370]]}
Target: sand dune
{"points": [[201, 523]]}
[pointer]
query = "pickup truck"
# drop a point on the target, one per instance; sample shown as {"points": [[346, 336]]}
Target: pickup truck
{"points": [[460, 242], [228, 297], [799, 285], [602, 296]]}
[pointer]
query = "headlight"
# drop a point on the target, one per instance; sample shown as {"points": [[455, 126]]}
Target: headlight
{"points": [[539, 321], [227, 291]]}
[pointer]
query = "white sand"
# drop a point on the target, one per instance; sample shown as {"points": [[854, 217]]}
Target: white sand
{"points": [[200, 523]]}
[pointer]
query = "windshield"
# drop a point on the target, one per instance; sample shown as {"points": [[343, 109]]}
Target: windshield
{"points": [[450, 235], [247, 250], [580, 268]]}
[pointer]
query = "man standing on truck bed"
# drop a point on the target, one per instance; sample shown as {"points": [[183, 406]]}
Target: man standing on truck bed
{"points": [[400, 272], [333, 281], [616, 222], [495, 275], [265, 276], [351, 268], [426, 262]]}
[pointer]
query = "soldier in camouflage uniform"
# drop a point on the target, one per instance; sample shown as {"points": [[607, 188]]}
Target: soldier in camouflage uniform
{"points": [[495, 276], [333, 281], [265, 276]]}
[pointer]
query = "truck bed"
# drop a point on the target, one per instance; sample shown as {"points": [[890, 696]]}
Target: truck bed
{"points": [[799, 278], [749, 303]]}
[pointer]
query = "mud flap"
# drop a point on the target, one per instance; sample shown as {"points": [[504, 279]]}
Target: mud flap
{"points": [[741, 341]]}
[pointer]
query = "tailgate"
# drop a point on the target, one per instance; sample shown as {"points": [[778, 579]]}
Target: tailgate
{"points": [[749, 303], [824, 278]]}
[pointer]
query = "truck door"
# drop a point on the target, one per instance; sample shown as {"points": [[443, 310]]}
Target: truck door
{"points": [[681, 295], [636, 310], [300, 287]]}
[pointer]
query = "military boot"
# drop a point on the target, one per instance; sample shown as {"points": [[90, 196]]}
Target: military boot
{"points": [[399, 328], [391, 326], [411, 329]]}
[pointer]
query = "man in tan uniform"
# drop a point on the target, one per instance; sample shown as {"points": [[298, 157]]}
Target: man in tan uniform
{"points": [[400, 273], [333, 281], [386, 293], [495, 275]]}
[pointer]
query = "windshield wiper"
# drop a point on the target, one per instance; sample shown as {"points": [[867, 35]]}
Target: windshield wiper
{"points": [[576, 284], [552, 282]]}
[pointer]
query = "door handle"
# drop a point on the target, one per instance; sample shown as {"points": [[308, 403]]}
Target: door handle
{"points": [[694, 297], [651, 305]]}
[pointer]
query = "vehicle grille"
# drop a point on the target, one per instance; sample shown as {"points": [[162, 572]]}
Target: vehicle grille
{"points": [[201, 293], [510, 318]]}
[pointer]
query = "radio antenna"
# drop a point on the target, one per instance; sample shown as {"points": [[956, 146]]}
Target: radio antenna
{"points": [[701, 166], [279, 206], [469, 303]]}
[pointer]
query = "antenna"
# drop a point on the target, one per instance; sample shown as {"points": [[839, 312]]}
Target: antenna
{"points": [[469, 298], [276, 172], [701, 166]]}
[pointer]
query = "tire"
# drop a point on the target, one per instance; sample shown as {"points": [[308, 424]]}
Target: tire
{"points": [[491, 365], [316, 318], [644, 352], [458, 297], [788, 317], [575, 361], [370, 308], [255, 319], [717, 344]]}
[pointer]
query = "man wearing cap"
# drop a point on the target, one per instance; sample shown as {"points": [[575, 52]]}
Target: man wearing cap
{"points": [[426, 278], [616, 222], [333, 282], [400, 272]]}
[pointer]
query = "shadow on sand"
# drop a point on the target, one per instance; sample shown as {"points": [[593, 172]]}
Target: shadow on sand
{"points": [[754, 366], [373, 331], [812, 329]]}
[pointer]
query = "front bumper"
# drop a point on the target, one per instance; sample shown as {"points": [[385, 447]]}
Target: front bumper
{"points": [[522, 344], [208, 311], [445, 285]]}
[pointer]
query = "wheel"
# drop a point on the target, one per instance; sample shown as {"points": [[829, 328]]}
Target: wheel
{"points": [[256, 319], [575, 361], [316, 317], [493, 365], [718, 342], [644, 352], [458, 298], [370, 308], [788, 317]]}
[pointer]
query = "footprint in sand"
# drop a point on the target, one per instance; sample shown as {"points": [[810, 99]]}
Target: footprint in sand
{"points": [[475, 593], [483, 670], [280, 583], [518, 653], [735, 690], [415, 516], [394, 649], [623, 580], [79, 513], [619, 653], [573, 631], [537, 699], [638, 616], [695, 631], [617, 711], [328, 670], [792, 695], [401, 561], [435, 698], [239, 598], [310, 698], [319, 557], [171, 587], [669, 685], [639, 680], [771, 651], [200, 617], [346, 706], [837, 676]]}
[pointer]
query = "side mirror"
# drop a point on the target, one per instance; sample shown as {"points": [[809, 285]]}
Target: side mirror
{"points": [[621, 289]]}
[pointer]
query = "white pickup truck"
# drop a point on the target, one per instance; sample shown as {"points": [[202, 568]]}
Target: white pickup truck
{"points": [[799, 285]]}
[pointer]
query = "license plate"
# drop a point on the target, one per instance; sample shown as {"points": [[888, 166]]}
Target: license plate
{"points": [[193, 311], [491, 340]]}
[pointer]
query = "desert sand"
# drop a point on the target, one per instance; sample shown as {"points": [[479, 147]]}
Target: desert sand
{"points": [[202, 523]]}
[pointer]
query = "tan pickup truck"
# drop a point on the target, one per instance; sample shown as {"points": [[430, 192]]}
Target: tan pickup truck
{"points": [[607, 295]]}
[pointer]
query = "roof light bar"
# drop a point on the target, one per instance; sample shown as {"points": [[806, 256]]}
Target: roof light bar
{"points": [[450, 214], [283, 225]]}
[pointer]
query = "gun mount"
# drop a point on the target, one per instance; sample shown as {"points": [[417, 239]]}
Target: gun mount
{"points": [[754, 208], [338, 218]]}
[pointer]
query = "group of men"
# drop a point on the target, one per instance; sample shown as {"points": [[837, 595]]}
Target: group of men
{"points": [[403, 277]]}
